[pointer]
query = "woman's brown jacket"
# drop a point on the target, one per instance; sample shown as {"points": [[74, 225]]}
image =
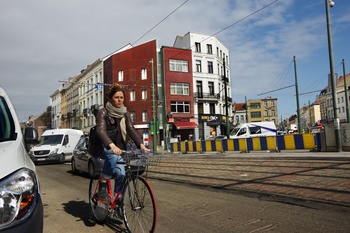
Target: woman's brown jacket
{"points": [[106, 123]]}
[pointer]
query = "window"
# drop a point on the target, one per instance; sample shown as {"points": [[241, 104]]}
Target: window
{"points": [[120, 76], [144, 94], [198, 47], [272, 103], [254, 105], [132, 116], [180, 107], [179, 89], [265, 103], [266, 113], [212, 108], [255, 114], [209, 49], [143, 74], [272, 112], [178, 65], [211, 88], [132, 96], [242, 118], [144, 116], [199, 86], [200, 108], [210, 67], [198, 66], [255, 130]]}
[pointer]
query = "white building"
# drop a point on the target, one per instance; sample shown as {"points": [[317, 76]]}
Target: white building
{"points": [[208, 56], [90, 83], [56, 109]]}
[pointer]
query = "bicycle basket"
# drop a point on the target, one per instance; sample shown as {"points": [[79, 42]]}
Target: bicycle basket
{"points": [[136, 161]]}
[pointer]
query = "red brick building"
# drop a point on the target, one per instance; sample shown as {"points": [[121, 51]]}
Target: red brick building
{"points": [[178, 89]]}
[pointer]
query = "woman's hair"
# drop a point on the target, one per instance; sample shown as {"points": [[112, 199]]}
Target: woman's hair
{"points": [[113, 89]]}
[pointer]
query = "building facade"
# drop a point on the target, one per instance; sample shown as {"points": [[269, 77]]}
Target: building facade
{"points": [[325, 100], [212, 83], [262, 110], [177, 95]]}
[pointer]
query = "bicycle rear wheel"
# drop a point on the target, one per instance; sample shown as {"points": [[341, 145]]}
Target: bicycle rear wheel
{"points": [[139, 206], [99, 209]]}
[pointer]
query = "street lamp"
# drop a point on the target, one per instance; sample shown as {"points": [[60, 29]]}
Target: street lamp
{"points": [[330, 3]]}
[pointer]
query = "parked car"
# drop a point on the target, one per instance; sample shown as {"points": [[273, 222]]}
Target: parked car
{"points": [[21, 208], [82, 161], [254, 129]]}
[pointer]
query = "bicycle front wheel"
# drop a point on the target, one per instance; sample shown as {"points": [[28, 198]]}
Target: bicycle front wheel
{"points": [[98, 208], [139, 206]]}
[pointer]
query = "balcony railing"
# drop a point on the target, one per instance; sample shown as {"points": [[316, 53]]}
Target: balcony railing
{"points": [[208, 96]]}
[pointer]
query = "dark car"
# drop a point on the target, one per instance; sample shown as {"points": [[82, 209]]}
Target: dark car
{"points": [[82, 161]]}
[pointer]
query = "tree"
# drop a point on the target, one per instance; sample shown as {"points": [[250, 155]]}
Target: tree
{"points": [[46, 117]]}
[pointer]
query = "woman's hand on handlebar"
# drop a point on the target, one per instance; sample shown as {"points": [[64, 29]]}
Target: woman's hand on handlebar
{"points": [[144, 148], [116, 150]]}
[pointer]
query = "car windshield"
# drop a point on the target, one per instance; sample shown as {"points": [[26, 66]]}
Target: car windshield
{"points": [[234, 131], [7, 125], [51, 139]]}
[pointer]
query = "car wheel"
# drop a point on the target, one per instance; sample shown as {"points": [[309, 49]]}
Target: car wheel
{"points": [[91, 169], [61, 159], [74, 169]]}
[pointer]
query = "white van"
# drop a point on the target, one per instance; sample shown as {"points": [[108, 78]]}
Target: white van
{"points": [[55, 145], [254, 129]]}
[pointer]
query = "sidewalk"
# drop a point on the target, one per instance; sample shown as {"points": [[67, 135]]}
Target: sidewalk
{"points": [[299, 176]]}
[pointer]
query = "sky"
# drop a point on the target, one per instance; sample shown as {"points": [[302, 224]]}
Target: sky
{"points": [[43, 42]]}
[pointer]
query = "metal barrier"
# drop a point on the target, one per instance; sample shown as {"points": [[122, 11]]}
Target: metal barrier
{"points": [[271, 143]]}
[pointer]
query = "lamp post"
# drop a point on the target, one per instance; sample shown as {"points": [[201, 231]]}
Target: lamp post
{"points": [[330, 3]]}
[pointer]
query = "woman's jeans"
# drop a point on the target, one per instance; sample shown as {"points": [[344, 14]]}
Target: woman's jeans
{"points": [[112, 168]]}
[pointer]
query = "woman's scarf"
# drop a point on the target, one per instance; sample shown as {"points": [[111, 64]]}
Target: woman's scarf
{"points": [[119, 114]]}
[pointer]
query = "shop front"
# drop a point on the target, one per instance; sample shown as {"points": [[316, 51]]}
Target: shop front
{"points": [[211, 125], [182, 129]]}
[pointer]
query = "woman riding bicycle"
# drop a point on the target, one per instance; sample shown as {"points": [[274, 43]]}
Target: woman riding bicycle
{"points": [[114, 126]]}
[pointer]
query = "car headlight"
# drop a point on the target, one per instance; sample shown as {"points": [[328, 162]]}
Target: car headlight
{"points": [[18, 196], [54, 151]]}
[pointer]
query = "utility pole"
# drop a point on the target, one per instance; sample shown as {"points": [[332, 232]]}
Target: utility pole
{"points": [[226, 102], [297, 94], [310, 116], [346, 94], [154, 117], [333, 79], [246, 109]]}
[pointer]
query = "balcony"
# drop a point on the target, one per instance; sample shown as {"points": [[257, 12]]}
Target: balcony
{"points": [[85, 112], [206, 96]]}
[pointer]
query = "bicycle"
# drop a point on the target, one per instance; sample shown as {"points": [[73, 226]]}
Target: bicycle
{"points": [[137, 206]]}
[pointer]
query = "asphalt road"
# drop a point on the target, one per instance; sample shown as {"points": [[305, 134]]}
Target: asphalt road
{"points": [[183, 207]]}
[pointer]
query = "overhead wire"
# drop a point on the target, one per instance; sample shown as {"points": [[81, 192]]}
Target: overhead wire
{"points": [[160, 21]]}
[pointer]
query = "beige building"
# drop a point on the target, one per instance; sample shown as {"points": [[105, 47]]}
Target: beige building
{"points": [[325, 100], [262, 110]]}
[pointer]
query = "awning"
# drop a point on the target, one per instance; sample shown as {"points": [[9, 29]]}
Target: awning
{"points": [[185, 125]]}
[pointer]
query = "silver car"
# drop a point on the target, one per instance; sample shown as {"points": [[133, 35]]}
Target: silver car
{"points": [[82, 161]]}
